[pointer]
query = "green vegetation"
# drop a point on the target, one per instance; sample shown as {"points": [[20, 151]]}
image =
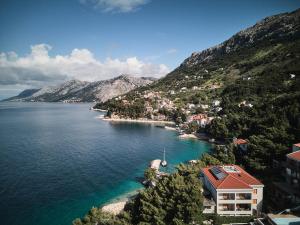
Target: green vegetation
{"points": [[176, 199], [258, 85]]}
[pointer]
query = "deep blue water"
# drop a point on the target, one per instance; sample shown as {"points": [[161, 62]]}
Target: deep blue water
{"points": [[59, 160]]}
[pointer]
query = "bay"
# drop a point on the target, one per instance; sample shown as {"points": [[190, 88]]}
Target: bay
{"points": [[58, 160]]}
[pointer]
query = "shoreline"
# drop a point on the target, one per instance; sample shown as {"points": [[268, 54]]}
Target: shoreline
{"points": [[114, 208], [99, 110], [186, 136], [117, 204], [138, 121]]}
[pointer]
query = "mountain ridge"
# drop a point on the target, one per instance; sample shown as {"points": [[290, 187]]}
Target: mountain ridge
{"points": [[287, 24], [83, 91]]}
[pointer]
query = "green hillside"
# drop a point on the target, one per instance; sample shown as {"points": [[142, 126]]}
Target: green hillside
{"points": [[256, 76]]}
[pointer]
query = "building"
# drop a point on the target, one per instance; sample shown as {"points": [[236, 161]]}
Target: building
{"points": [[201, 119], [287, 190], [216, 102], [241, 144], [296, 147], [293, 168], [234, 191]]}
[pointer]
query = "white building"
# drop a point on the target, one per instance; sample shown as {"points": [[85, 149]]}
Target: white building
{"points": [[216, 102], [234, 191]]}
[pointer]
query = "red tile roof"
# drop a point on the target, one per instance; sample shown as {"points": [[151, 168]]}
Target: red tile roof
{"points": [[297, 145], [294, 155], [240, 142], [233, 180], [199, 117]]}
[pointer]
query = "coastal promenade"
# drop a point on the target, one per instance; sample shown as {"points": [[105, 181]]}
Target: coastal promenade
{"points": [[138, 121]]}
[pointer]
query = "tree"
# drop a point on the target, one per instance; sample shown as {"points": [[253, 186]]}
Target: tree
{"points": [[150, 174], [225, 154], [218, 129]]}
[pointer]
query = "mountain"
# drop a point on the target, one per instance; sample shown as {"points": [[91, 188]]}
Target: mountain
{"points": [[24, 94], [258, 67], [82, 91], [257, 61], [249, 52]]}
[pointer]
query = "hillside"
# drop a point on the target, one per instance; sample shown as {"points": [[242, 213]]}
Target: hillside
{"points": [[249, 84], [264, 56], [82, 91]]}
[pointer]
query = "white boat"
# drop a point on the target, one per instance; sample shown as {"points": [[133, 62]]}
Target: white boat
{"points": [[164, 162]]}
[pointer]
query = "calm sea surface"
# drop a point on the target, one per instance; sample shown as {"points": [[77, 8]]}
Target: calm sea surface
{"points": [[59, 160]]}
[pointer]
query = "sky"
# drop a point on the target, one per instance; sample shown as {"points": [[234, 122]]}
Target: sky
{"points": [[45, 42]]}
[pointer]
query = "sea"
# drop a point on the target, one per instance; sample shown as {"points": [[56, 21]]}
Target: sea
{"points": [[59, 160]]}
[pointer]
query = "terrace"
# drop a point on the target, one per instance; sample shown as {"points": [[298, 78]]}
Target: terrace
{"points": [[226, 207], [227, 196], [243, 196], [243, 207]]}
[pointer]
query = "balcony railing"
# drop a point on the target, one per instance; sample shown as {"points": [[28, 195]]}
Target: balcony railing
{"points": [[246, 196], [227, 196], [243, 207], [226, 207]]}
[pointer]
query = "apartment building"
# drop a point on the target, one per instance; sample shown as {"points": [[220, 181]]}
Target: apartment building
{"points": [[234, 191], [287, 191]]}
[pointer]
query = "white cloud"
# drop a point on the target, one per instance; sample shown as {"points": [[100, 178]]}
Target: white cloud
{"points": [[121, 6], [38, 68]]}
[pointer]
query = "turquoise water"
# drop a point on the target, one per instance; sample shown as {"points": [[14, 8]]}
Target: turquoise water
{"points": [[287, 221], [59, 160]]}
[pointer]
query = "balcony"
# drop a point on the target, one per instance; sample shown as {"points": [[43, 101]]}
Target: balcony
{"points": [[226, 207], [243, 207], [243, 196], [227, 196]]}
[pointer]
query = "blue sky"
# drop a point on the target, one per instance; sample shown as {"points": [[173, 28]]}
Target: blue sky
{"points": [[154, 35]]}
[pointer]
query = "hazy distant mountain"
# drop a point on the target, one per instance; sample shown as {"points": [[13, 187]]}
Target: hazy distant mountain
{"points": [[82, 91], [24, 94]]}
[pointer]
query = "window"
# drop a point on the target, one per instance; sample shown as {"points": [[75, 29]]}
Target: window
{"points": [[254, 201], [254, 191]]}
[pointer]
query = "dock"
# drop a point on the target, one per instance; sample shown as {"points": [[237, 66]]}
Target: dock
{"points": [[155, 164]]}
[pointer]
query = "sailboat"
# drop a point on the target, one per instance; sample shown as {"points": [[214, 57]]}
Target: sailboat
{"points": [[164, 162]]}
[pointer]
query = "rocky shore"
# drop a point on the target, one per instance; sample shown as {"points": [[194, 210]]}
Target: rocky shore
{"points": [[115, 208], [139, 121]]}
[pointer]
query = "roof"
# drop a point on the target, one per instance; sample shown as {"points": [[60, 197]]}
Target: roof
{"points": [[294, 155], [235, 178], [199, 116], [240, 142], [297, 145]]}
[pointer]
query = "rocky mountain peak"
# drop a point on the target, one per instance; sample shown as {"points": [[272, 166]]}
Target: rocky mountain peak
{"points": [[273, 28]]}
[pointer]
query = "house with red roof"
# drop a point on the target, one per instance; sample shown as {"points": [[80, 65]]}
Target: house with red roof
{"points": [[293, 175], [242, 144], [201, 119], [287, 191], [296, 147], [234, 191]]}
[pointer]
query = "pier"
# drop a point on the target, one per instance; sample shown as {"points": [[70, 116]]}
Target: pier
{"points": [[155, 164]]}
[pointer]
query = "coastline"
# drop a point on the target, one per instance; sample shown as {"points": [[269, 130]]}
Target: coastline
{"points": [[116, 205], [114, 208], [185, 136], [99, 110], [139, 121]]}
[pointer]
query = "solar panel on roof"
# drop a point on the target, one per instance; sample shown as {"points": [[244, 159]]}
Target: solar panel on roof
{"points": [[218, 173]]}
